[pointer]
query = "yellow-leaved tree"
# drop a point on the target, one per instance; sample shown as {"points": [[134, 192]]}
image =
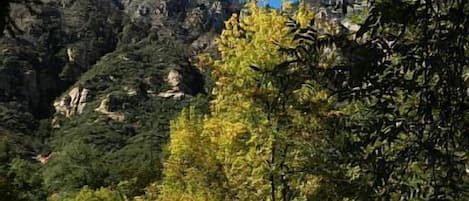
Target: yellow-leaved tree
{"points": [[266, 118], [191, 171]]}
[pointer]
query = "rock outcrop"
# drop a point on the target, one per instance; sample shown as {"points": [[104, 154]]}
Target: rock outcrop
{"points": [[72, 103], [178, 89], [205, 43], [105, 107], [44, 158], [72, 55], [338, 10]]}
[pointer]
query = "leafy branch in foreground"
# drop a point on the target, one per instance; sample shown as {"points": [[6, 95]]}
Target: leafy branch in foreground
{"points": [[402, 83]]}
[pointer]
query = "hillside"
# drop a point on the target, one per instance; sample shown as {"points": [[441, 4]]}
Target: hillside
{"points": [[234, 100], [94, 84]]}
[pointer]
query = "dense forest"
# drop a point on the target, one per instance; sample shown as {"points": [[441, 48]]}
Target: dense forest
{"points": [[227, 100]]}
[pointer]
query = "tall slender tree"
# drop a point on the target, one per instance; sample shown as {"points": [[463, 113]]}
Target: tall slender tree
{"points": [[265, 119]]}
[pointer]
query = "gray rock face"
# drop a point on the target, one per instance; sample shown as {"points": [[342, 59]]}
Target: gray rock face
{"points": [[337, 10], [69, 55], [54, 45], [190, 16], [65, 38]]}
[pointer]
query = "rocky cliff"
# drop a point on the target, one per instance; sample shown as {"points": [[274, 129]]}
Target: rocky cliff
{"points": [[105, 75]]}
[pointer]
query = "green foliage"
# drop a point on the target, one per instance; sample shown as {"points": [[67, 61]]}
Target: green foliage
{"points": [[298, 110], [90, 149], [5, 186], [89, 144], [396, 132], [19, 179], [26, 180], [79, 166], [87, 194], [402, 93], [408, 141], [255, 143]]}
